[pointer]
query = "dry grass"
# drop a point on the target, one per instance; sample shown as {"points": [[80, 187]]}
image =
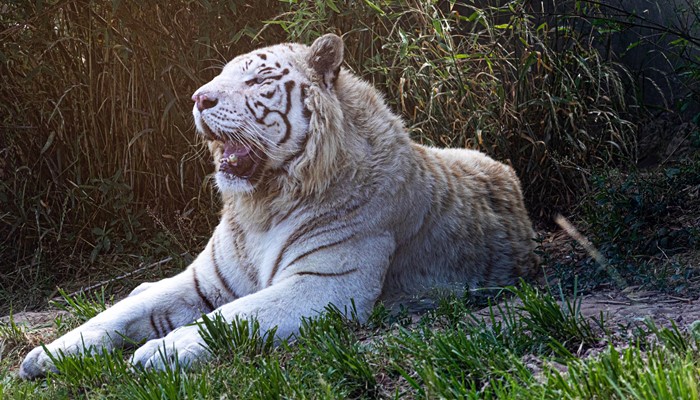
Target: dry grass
{"points": [[95, 115]]}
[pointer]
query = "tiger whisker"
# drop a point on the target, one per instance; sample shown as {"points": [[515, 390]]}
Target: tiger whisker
{"points": [[270, 150], [256, 133]]}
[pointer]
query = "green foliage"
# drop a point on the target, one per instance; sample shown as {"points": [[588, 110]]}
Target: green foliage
{"points": [[96, 129], [561, 321], [96, 125], [453, 363], [624, 208], [327, 342], [274, 382], [456, 353], [94, 368], [630, 374], [171, 384], [11, 332], [671, 33]]}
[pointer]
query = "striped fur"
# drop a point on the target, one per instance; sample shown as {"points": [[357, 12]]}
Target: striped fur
{"points": [[336, 205]]}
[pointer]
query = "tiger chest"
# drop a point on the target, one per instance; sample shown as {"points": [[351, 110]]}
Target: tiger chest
{"points": [[252, 253]]}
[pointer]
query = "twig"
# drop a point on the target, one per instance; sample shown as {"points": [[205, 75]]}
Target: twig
{"points": [[118, 278], [676, 149], [591, 250], [682, 299], [615, 302]]}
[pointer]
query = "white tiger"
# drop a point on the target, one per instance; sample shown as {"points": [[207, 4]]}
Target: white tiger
{"points": [[326, 200]]}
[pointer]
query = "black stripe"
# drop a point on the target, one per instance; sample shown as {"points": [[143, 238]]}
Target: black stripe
{"points": [[217, 269], [490, 196], [251, 272], [322, 220], [289, 87], [305, 111], [251, 109], [322, 247], [171, 326], [324, 274], [238, 239], [310, 227], [241, 253], [253, 105], [206, 301], [299, 153], [289, 212], [155, 327], [432, 174], [447, 199], [161, 324], [329, 229], [224, 283]]}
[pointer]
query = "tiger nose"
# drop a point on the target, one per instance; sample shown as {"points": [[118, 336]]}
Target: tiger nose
{"points": [[204, 101]]}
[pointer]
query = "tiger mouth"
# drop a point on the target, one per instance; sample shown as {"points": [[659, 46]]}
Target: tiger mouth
{"points": [[239, 160]]}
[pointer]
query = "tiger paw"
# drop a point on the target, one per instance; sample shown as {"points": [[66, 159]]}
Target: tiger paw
{"points": [[80, 341], [36, 364], [183, 347]]}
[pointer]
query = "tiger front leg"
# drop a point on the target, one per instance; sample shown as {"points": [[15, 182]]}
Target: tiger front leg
{"points": [[152, 313], [282, 306], [303, 290]]}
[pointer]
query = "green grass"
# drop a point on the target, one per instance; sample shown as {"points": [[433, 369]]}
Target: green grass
{"points": [[448, 353]]}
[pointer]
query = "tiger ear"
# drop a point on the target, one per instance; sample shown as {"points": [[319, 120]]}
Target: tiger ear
{"points": [[326, 57]]}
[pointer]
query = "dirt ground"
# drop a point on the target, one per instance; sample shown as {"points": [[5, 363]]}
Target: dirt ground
{"points": [[623, 310], [628, 306]]}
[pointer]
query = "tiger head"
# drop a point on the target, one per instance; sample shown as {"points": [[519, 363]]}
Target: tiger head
{"points": [[256, 114]]}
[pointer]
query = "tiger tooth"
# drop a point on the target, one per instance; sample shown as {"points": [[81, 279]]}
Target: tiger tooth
{"points": [[231, 159]]}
